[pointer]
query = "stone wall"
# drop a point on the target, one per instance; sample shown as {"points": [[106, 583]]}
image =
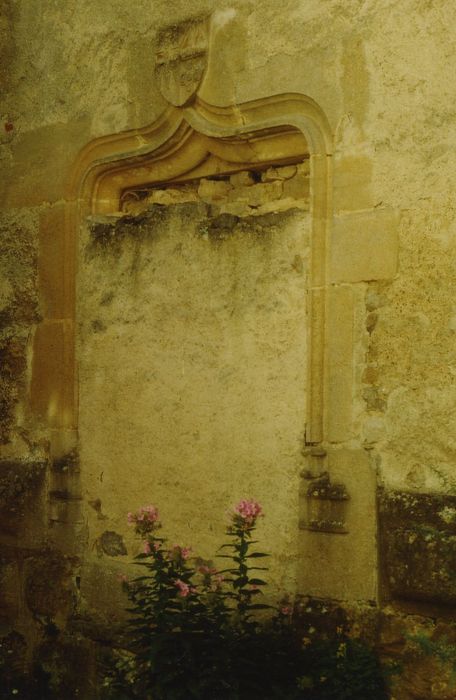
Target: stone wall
{"points": [[377, 457]]}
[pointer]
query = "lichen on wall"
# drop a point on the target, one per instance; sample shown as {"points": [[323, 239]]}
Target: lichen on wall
{"points": [[19, 312]]}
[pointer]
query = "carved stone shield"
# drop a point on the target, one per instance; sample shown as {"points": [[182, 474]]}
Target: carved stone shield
{"points": [[181, 60]]}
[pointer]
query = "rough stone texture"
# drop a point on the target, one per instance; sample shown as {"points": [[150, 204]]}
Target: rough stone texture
{"points": [[18, 313], [246, 193], [422, 675], [47, 590], [21, 485], [418, 546], [395, 636]]}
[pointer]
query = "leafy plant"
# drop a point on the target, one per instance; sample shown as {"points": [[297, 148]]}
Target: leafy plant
{"points": [[203, 633], [441, 649]]}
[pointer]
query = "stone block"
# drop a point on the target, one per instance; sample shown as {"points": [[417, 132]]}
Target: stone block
{"points": [[40, 157], [13, 362], [340, 358], [62, 659], [22, 493], [103, 600], [284, 173], [52, 386], [256, 195], [418, 547], [349, 561], [304, 167], [352, 183], [297, 187], [171, 196], [213, 190], [10, 592], [48, 584], [279, 205], [110, 543], [364, 246], [238, 209], [242, 179], [374, 429], [326, 506], [52, 264]]}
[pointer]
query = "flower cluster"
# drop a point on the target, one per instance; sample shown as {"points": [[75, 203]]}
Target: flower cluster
{"points": [[205, 632], [145, 520], [246, 513], [178, 553], [149, 548], [184, 588]]}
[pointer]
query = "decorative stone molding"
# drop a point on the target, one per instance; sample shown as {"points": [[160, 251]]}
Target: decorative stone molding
{"points": [[326, 507], [181, 60], [188, 143]]}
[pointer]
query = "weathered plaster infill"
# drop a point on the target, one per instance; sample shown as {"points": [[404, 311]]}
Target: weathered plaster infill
{"points": [[194, 330]]}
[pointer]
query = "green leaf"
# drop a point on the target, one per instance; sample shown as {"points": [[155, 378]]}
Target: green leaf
{"points": [[259, 606]]}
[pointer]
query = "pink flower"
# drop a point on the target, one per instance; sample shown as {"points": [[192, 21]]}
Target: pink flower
{"points": [[149, 513], [217, 582], [248, 511], [207, 571], [145, 520], [286, 610], [148, 547], [178, 552], [184, 588]]}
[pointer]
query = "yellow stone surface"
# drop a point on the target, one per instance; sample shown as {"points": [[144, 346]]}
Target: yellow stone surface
{"points": [[205, 359]]}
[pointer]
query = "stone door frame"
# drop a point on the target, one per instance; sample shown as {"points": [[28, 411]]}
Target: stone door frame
{"points": [[108, 164]]}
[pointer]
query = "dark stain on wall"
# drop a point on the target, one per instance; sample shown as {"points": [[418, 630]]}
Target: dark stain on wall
{"points": [[21, 485]]}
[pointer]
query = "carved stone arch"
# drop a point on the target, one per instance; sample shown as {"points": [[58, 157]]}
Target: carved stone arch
{"points": [[175, 146]]}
